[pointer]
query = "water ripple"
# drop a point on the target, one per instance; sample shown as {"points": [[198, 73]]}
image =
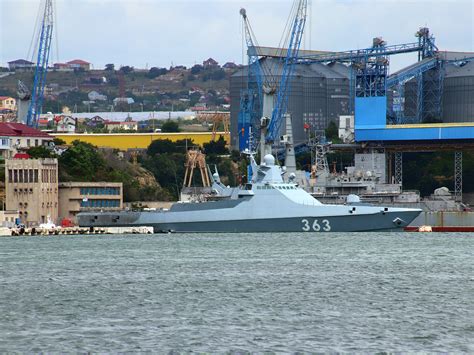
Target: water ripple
{"points": [[238, 293]]}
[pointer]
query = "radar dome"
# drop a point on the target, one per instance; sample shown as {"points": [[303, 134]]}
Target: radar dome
{"points": [[269, 160], [353, 199]]}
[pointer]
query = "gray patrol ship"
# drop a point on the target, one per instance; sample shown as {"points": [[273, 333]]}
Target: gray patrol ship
{"points": [[266, 204]]}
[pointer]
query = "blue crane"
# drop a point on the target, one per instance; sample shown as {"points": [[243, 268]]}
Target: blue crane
{"points": [[44, 47], [284, 87], [251, 97], [267, 90]]}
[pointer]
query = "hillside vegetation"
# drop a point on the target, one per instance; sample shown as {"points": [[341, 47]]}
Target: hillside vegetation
{"points": [[159, 89]]}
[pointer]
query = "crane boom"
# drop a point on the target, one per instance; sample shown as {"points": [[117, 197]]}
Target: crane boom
{"points": [[281, 104], [251, 97], [45, 37]]}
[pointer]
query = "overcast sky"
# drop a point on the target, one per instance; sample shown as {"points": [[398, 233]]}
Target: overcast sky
{"points": [[146, 33]]}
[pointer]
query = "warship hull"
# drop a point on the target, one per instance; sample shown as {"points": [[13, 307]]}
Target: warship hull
{"points": [[216, 220]]}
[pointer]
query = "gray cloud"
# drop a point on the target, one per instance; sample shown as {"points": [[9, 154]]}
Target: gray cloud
{"points": [[159, 32]]}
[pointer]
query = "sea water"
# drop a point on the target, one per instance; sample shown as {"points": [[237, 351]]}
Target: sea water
{"points": [[347, 292]]}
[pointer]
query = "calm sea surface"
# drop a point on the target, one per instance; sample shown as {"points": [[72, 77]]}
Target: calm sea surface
{"points": [[257, 292]]}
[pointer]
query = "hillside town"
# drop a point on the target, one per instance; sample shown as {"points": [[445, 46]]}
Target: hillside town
{"points": [[76, 86]]}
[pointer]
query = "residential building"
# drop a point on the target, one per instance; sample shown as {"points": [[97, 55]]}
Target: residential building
{"points": [[95, 96], [16, 136], [62, 67], [123, 100], [21, 64], [66, 124], [94, 122], [210, 63], [79, 64], [125, 125], [230, 65], [75, 197], [7, 103], [31, 188]]}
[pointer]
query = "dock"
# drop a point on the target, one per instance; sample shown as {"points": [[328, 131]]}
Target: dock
{"points": [[36, 231]]}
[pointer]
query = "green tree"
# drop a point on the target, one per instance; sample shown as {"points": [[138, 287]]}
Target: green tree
{"points": [[216, 147], [110, 67], [170, 126], [126, 69], [40, 152], [82, 162], [59, 141], [155, 72], [166, 146]]}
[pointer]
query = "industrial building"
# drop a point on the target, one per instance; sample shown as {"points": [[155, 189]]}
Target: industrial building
{"points": [[321, 93]]}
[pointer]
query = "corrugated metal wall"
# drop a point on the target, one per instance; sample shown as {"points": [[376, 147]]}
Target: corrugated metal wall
{"points": [[319, 94], [458, 95], [458, 99]]}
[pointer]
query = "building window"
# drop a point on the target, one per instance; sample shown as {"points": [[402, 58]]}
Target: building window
{"points": [[36, 142], [31, 175], [36, 175], [10, 175], [20, 175], [15, 175], [28, 142]]}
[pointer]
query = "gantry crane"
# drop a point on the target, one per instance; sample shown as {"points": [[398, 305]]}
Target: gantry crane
{"points": [[196, 159], [217, 118], [44, 47]]}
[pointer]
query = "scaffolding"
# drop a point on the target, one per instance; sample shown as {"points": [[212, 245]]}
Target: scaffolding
{"points": [[458, 176], [196, 159], [399, 168]]}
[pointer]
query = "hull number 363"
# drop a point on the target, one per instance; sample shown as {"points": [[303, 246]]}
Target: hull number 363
{"points": [[316, 226]]}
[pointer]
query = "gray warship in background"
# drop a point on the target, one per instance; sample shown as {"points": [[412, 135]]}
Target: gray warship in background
{"points": [[266, 204]]}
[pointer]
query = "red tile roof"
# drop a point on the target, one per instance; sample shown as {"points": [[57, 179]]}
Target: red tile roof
{"points": [[20, 61], [78, 61], [5, 97], [11, 129], [21, 156]]}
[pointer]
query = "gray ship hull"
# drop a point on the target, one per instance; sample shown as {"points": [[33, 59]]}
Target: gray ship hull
{"points": [[379, 221]]}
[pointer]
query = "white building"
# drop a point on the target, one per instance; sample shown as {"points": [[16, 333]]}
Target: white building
{"points": [[15, 136], [95, 96]]}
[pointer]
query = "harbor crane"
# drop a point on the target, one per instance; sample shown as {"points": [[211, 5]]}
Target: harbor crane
{"points": [[44, 47], [273, 81]]}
